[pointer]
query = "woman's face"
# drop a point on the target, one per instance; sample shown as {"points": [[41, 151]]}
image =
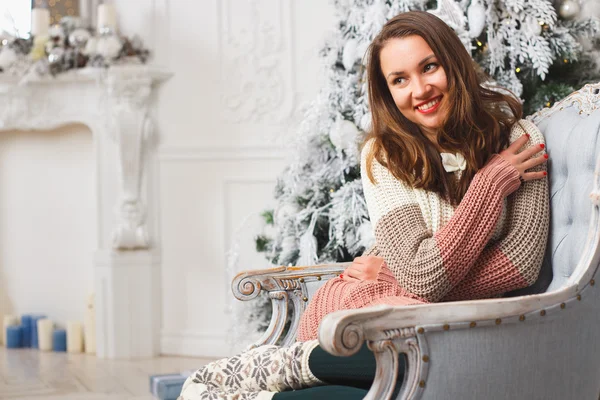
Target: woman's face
{"points": [[416, 81]]}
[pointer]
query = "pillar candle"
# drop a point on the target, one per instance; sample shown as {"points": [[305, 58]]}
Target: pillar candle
{"points": [[74, 337], [59, 340], [26, 326], [44, 333], [89, 326], [8, 320], [40, 21], [107, 17], [14, 336], [34, 330]]}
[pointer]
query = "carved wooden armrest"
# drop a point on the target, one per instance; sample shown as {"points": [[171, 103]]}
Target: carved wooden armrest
{"points": [[283, 284], [404, 329]]}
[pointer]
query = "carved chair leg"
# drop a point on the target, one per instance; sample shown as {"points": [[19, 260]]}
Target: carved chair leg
{"points": [[299, 306], [279, 300], [386, 355]]}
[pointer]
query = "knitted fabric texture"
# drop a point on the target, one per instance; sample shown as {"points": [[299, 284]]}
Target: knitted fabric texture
{"points": [[256, 374], [491, 243]]}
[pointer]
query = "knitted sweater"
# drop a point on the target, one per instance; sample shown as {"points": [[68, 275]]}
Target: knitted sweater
{"points": [[491, 243]]}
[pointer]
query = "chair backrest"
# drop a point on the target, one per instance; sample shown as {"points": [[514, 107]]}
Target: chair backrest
{"points": [[571, 129]]}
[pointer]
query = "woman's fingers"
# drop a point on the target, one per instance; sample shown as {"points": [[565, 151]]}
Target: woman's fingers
{"points": [[529, 176], [530, 152], [517, 144], [534, 162]]}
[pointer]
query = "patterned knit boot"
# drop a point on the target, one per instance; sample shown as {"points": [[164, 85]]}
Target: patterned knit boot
{"points": [[256, 374]]}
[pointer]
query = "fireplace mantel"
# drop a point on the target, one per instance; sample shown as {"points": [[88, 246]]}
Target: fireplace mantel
{"points": [[115, 104]]}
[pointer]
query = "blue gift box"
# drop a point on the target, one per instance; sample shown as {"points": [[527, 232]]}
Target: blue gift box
{"points": [[167, 387]]}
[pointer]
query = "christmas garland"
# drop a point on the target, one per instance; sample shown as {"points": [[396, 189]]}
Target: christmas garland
{"points": [[69, 45]]}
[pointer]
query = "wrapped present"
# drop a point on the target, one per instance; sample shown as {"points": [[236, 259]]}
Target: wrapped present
{"points": [[167, 387]]}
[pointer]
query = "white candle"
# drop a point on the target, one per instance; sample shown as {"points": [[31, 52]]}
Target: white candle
{"points": [[8, 320], [74, 337], [107, 17], [40, 21], [45, 327], [89, 326]]}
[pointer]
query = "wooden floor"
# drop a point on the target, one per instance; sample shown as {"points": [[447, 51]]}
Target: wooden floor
{"points": [[29, 374]]}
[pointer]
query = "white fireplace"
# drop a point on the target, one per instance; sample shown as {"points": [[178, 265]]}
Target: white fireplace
{"points": [[116, 105]]}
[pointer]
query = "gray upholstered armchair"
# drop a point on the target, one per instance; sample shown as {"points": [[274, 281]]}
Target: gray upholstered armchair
{"points": [[544, 345]]}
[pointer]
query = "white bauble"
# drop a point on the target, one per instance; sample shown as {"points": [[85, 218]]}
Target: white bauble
{"points": [[532, 26], [590, 9], [79, 37], [109, 46], [476, 17], [349, 55], [56, 31], [91, 47], [344, 134], [361, 51], [7, 57], [366, 122], [569, 9]]}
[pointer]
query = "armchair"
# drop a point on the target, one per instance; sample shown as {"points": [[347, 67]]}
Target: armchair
{"points": [[542, 343]]}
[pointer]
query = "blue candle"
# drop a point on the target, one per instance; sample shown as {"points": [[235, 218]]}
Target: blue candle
{"points": [[34, 331], [26, 326], [59, 340], [14, 337]]}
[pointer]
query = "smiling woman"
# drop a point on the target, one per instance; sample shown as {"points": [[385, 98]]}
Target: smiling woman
{"points": [[450, 175]]}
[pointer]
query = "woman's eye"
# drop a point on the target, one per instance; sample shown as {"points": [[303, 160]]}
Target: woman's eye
{"points": [[430, 67], [399, 81]]}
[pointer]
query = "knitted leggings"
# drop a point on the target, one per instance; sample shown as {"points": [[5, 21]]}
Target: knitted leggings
{"points": [[301, 371]]}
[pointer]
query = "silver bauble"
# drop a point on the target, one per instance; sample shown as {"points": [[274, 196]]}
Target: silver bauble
{"points": [[56, 55], [79, 37], [569, 9], [532, 26], [476, 17]]}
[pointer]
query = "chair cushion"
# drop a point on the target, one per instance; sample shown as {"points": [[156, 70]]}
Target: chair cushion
{"points": [[571, 132]]}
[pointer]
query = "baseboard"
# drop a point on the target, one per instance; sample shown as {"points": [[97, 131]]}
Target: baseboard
{"points": [[194, 344]]}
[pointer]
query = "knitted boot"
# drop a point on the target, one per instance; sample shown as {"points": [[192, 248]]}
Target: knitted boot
{"points": [[253, 375]]}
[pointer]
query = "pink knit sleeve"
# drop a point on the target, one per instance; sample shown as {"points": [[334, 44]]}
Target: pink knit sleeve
{"points": [[429, 265], [513, 262]]}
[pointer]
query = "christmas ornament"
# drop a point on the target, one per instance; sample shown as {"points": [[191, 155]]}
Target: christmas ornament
{"points": [[7, 57], [91, 47], [343, 135], [109, 46], [57, 33], [56, 55], [79, 37], [365, 122], [451, 13], [476, 17], [349, 54], [569, 9], [532, 26]]}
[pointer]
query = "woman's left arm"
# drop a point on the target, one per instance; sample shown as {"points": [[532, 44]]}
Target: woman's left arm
{"points": [[513, 262]]}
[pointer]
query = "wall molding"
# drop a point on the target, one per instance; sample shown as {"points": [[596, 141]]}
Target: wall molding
{"points": [[174, 154]]}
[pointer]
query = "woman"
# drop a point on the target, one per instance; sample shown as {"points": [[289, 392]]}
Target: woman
{"points": [[457, 193]]}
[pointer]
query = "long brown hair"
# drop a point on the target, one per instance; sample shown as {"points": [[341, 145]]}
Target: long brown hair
{"points": [[477, 125]]}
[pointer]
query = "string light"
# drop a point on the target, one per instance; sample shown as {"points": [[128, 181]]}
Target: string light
{"points": [[479, 43], [566, 61], [518, 69], [548, 104]]}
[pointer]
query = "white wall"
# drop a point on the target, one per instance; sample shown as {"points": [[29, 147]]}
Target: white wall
{"points": [[47, 222], [243, 71]]}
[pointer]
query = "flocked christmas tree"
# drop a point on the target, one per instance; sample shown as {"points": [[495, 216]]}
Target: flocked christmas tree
{"points": [[524, 45]]}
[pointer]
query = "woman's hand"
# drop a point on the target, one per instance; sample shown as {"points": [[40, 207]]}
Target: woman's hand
{"points": [[364, 268], [525, 160]]}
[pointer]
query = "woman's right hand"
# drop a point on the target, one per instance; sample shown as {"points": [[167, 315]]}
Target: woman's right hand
{"points": [[525, 160]]}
